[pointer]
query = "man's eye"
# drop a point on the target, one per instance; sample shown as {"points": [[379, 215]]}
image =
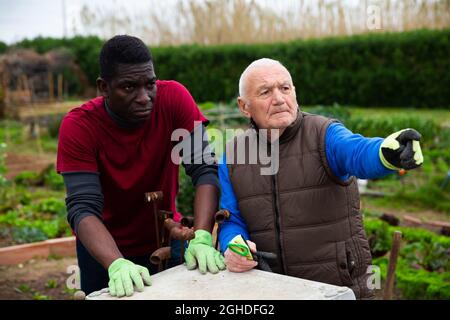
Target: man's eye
{"points": [[150, 86], [264, 93], [129, 87], [286, 88]]}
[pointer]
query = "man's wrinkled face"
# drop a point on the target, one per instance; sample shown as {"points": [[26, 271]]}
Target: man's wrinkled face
{"points": [[269, 97], [131, 92]]}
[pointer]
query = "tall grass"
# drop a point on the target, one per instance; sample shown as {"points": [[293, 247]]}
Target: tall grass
{"points": [[175, 22]]}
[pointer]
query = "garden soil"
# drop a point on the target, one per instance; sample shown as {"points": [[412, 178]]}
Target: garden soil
{"points": [[37, 279]]}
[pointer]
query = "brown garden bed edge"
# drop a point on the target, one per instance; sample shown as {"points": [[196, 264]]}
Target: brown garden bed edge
{"points": [[61, 247]]}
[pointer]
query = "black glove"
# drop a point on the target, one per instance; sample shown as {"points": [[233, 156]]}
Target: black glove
{"points": [[401, 150]]}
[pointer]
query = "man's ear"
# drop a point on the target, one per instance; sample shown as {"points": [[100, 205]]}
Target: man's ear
{"points": [[102, 87], [243, 107]]}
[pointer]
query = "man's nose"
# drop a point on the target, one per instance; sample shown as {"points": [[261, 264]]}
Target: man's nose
{"points": [[143, 96], [278, 97]]}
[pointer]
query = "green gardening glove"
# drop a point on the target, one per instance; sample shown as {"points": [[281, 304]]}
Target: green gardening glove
{"points": [[401, 150], [201, 251], [123, 273]]}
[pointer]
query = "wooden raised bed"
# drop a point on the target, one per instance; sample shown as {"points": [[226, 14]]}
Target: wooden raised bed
{"points": [[61, 247]]}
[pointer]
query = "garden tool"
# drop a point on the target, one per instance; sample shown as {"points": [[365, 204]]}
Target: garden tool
{"points": [[177, 232], [240, 246], [220, 217], [154, 198], [161, 255], [163, 215], [174, 231], [187, 221]]}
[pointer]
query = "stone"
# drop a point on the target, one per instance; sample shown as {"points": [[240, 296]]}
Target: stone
{"points": [[178, 283]]}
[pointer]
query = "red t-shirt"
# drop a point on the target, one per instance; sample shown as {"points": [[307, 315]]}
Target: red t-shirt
{"points": [[131, 161]]}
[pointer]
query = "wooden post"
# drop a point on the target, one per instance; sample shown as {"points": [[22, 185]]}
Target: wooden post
{"points": [[26, 87], [60, 87], [390, 278], [51, 92]]}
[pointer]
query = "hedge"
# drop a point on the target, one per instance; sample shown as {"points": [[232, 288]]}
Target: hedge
{"points": [[389, 69], [3, 47], [398, 69]]}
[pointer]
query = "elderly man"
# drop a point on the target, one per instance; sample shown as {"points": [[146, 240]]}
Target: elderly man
{"points": [[306, 212], [116, 147]]}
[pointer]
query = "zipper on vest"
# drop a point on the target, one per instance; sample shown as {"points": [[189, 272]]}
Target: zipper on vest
{"points": [[277, 221]]}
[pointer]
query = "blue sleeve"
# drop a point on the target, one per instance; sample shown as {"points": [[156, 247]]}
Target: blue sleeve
{"points": [[235, 224], [350, 154]]}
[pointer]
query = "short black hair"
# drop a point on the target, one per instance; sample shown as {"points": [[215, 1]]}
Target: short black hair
{"points": [[122, 49]]}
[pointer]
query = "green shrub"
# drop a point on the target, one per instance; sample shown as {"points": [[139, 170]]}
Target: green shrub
{"points": [[390, 69], [3, 47]]}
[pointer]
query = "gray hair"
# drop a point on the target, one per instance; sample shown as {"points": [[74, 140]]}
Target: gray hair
{"points": [[260, 63]]}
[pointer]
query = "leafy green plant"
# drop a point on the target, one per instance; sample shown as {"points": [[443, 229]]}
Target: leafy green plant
{"points": [[52, 179], [27, 234], [25, 198], [51, 284], [379, 237], [68, 291], [45, 219], [422, 284], [3, 180], [52, 205], [48, 177], [38, 296], [23, 288], [423, 269], [27, 178], [436, 257], [431, 256]]}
